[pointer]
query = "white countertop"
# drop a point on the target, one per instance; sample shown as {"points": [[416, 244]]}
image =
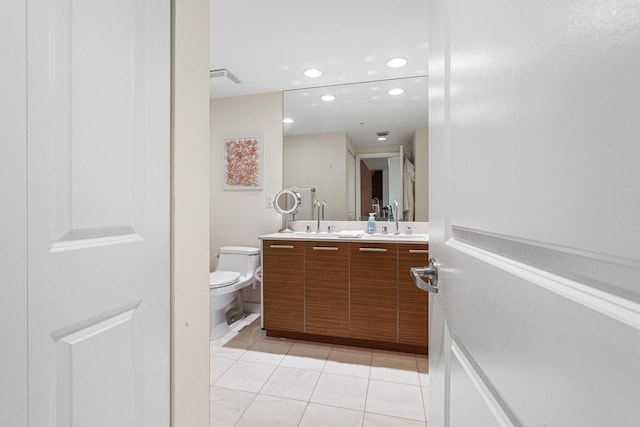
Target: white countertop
{"points": [[324, 236]]}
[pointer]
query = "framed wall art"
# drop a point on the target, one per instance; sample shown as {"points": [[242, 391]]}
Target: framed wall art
{"points": [[243, 159]]}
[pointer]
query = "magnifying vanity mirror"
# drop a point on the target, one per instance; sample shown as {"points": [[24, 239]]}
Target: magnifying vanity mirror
{"points": [[362, 150], [286, 202]]}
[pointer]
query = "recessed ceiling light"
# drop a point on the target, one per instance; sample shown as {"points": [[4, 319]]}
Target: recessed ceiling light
{"points": [[327, 98], [382, 138], [287, 121], [396, 91], [313, 73], [396, 62]]}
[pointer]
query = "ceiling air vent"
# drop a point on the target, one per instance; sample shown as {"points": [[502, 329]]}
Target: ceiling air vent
{"points": [[383, 133], [223, 73]]}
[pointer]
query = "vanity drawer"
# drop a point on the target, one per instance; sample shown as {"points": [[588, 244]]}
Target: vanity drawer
{"points": [[413, 303], [283, 285], [373, 274], [327, 288]]}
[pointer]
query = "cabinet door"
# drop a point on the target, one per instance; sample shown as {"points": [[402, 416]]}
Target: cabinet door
{"points": [[413, 303], [283, 285], [374, 291], [327, 288]]}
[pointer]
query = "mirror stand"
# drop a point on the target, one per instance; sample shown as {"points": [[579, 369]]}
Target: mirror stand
{"points": [[285, 226]]}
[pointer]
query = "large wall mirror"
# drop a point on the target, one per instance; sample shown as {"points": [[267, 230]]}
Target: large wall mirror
{"points": [[360, 146]]}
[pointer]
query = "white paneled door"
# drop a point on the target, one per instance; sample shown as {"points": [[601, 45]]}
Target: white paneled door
{"points": [[535, 213], [98, 89]]}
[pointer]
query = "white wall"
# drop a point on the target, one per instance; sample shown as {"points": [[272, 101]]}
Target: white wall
{"points": [[239, 217], [13, 216], [319, 161], [388, 148], [190, 215], [421, 162]]}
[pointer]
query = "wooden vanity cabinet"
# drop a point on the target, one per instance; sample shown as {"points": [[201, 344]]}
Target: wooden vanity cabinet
{"points": [[373, 291], [327, 288], [350, 293], [413, 303], [283, 285]]}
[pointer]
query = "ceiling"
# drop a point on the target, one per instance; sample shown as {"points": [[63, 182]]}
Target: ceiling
{"points": [[268, 44]]}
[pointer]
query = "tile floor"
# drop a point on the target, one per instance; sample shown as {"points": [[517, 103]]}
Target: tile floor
{"points": [[263, 381]]}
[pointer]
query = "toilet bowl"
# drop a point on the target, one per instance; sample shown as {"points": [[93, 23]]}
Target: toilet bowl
{"points": [[235, 271]]}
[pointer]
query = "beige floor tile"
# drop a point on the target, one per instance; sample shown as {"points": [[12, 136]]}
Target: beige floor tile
{"points": [[229, 348], [423, 363], [272, 411], [251, 332], [396, 400], [245, 376], [226, 406], [291, 383], [306, 356], [423, 370], [425, 401], [270, 352], [351, 362], [377, 420], [322, 416], [217, 367], [341, 391], [393, 353], [399, 368]]}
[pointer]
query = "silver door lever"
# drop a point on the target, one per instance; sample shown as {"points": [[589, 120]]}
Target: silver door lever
{"points": [[430, 273]]}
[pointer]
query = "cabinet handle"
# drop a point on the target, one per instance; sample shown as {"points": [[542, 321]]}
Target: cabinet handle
{"points": [[325, 248], [418, 251], [282, 246], [373, 250]]}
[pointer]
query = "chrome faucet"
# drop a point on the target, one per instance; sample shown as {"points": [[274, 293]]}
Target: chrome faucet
{"points": [[317, 204], [375, 206], [395, 216]]}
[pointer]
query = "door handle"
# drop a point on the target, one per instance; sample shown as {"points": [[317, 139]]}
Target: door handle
{"points": [[430, 273]]}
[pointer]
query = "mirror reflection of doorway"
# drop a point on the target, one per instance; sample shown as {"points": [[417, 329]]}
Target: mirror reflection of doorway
{"points": [[379, 176], [376, 185], [371, 183]]}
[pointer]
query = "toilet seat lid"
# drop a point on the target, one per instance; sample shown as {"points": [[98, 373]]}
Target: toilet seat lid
{"points": [[218, 279]]}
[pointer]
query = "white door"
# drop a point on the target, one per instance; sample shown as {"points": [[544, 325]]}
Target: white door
{"points": [[13, 216], [98, 212], [535, 213]]}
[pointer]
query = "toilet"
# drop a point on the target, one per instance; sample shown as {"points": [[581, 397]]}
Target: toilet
{"points": [[235, 271]]}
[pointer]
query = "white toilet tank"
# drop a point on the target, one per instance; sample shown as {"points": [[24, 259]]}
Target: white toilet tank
{"points": [[243, 259]]}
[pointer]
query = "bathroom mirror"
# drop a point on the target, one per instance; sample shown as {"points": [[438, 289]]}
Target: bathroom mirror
{"points": [[331, 145]]}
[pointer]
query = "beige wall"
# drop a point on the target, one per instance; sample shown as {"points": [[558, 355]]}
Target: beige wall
{"points": [[239, 217], [421, 161], [190, 215], [319, 161]]}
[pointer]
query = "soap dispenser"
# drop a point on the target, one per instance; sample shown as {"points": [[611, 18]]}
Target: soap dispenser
{"points": [[371, 224]]}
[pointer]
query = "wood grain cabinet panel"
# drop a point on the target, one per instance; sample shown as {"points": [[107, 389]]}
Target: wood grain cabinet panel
{"points": [[283, 285], [413, 303], [327, 288], [374, 291]]}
